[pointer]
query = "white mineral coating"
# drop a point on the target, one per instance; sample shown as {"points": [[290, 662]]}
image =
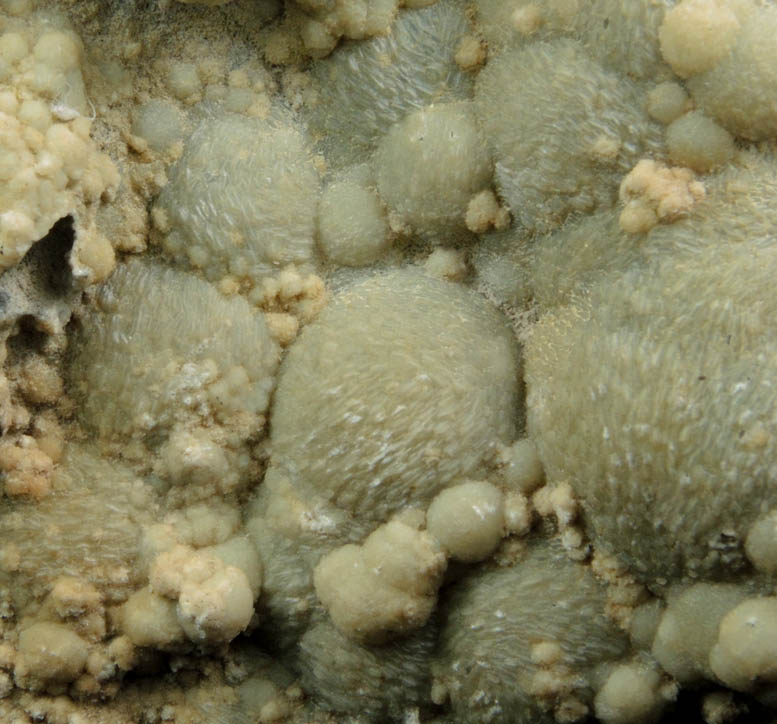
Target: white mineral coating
{"points": [[13, 47], [689, 628], [215, 599], [468, 520], [204, 524], [193, 458], [745, 655], [430, 164], [484, 212], [378, 407], [495, 618], [446, 263], [401, 386], [56, 73], [183, 81], [551, 163], [360, 95], [651, 370], [653, 193], [328, 22], [179, 565], [671, 448], [740, 91], [241, 201], [389, 679], [155, 356], [521, 467]]}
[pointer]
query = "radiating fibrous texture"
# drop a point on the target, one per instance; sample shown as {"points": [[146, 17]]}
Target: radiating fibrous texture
{"points": [[364, 88], [512, 23], [584, 250], [53, 539], [563, 130], [696, 34], [620, 35], [667, 433], [502, 266], [739, 209], [352, 222], [387, 680], [293, 532], [429, 165], [403, 385], [242, 199], [507, 656], [380, 522], [164, 360]]}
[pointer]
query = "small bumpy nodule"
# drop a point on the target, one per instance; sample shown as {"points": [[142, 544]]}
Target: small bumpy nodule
{"points": [[364, 88], [430, 165], [739, 91], [402, 385], [664, 422], [163, 357], [242, 199], [514, 636], [563, 130], [353, 227]]}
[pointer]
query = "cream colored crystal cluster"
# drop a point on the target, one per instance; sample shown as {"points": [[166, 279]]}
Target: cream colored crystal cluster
{"points": [[368, 360], [50, 167]]}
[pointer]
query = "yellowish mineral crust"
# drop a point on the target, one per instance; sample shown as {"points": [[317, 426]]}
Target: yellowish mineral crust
{"points": [[369, 361]]}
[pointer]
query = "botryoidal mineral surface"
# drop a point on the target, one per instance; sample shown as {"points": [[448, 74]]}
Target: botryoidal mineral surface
{"points": [[378, 361]]}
